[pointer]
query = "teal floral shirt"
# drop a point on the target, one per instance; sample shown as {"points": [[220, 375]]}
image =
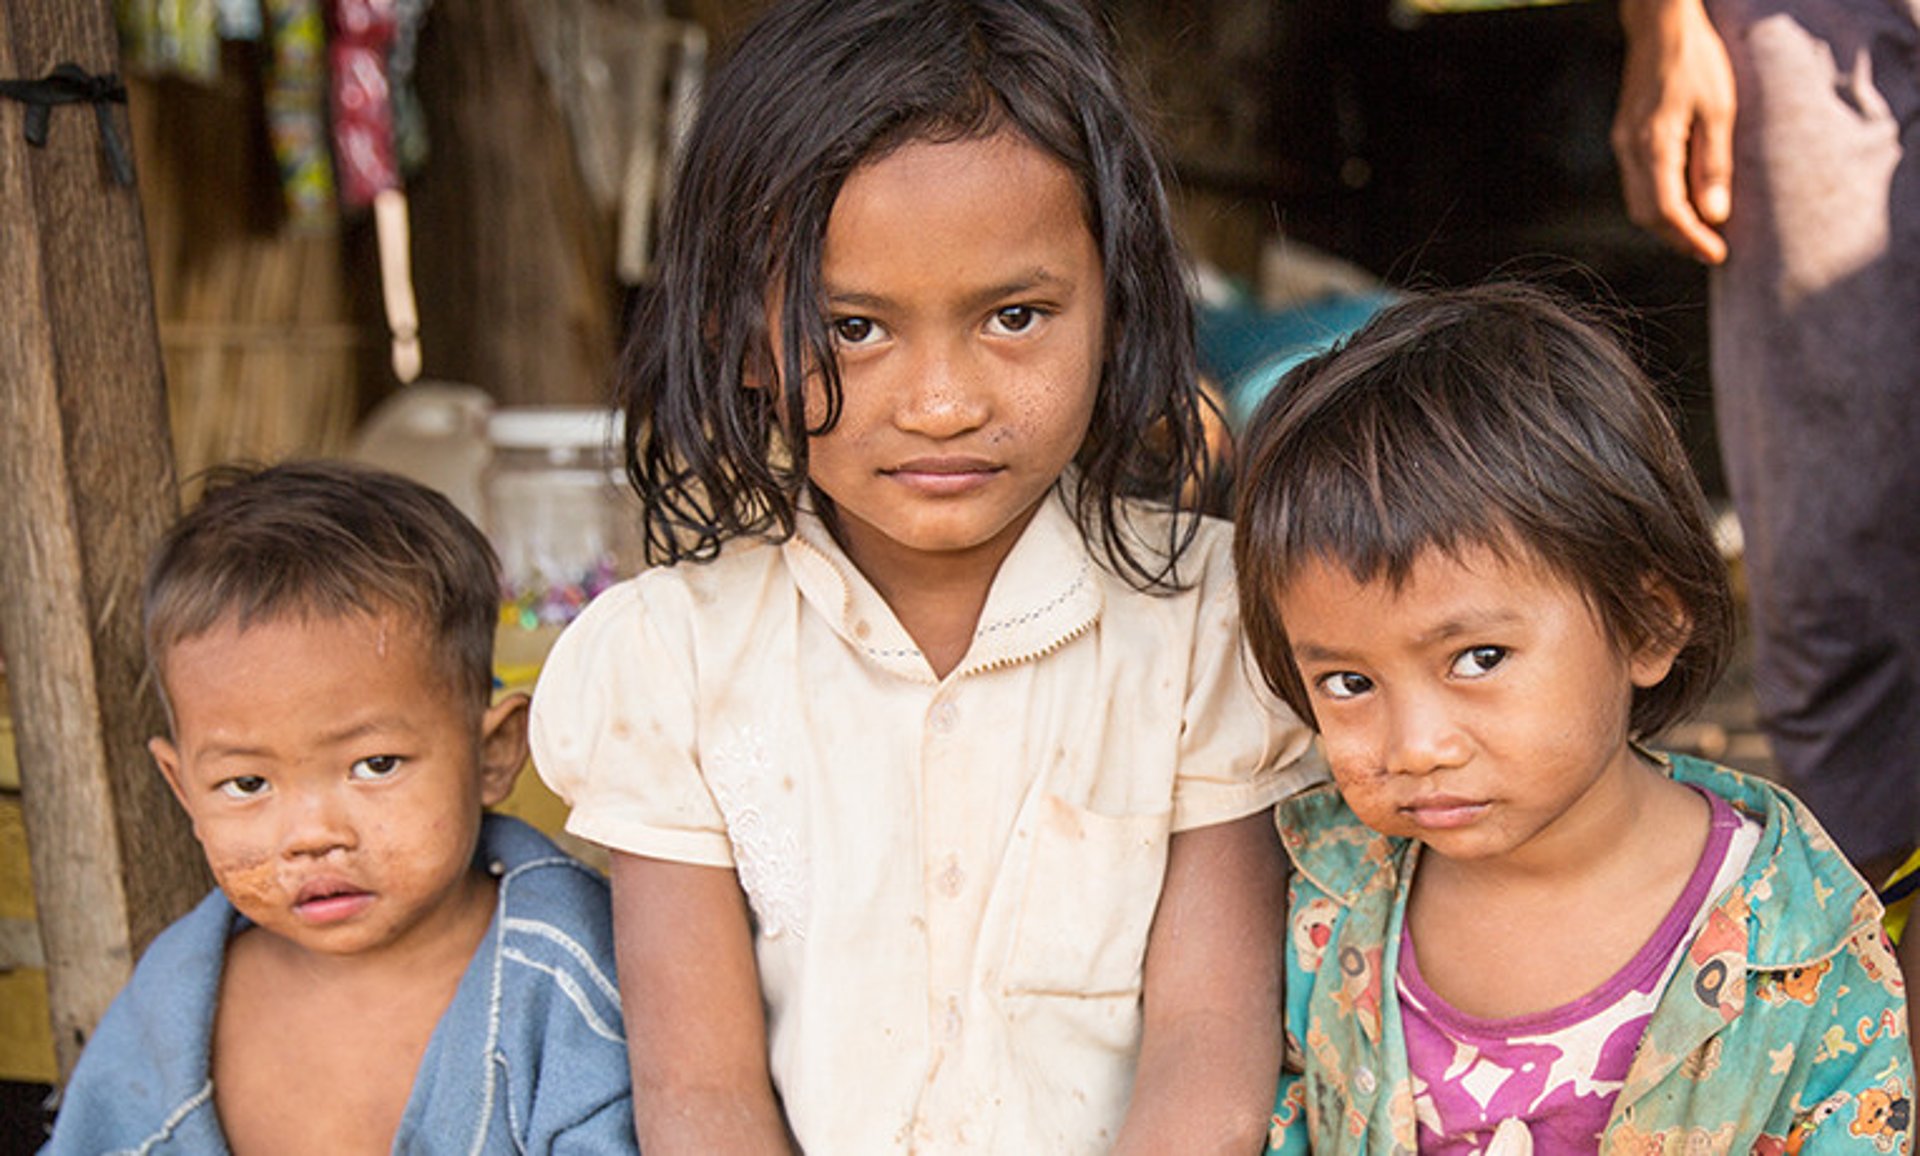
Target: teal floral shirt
{"points": [[1784, 1031]]}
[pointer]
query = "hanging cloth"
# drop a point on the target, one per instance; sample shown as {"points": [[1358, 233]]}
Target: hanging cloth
{"points": [[240, 19], [178, 37], [296, 95], [362, 100], [409, 118]]}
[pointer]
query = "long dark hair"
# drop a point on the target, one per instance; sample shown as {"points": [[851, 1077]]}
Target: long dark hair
{"points": [[1498, 417], [815, 89]]}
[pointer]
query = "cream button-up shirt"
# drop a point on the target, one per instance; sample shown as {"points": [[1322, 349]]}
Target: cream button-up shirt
{"points": [[951, 879]]}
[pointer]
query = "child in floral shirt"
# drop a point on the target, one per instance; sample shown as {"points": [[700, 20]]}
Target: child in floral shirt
{"points": [[1472, 554]]}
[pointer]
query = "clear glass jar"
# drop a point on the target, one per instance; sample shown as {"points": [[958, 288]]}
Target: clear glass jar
{"points": [[561, 519]]}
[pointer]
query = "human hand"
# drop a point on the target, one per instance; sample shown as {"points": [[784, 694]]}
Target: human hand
{"points": [[1673, 127]]}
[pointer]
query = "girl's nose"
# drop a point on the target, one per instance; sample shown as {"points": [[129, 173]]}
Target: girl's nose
{"points": [[1423, 736], [946, 394]]}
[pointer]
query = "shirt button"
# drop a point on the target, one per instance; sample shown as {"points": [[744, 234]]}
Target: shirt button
{"points": [[943, 717], [952, 879], [1363, 1081]]}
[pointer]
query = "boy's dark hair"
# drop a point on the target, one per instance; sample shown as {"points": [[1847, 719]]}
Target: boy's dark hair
{"points": [[1496, 417], [327, 539], [814, 90]]}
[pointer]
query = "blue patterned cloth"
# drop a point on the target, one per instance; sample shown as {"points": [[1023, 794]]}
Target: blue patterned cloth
{"points": [[1783, 1031]]}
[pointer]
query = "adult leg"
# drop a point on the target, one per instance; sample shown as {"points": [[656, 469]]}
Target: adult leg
{"points": [[1816, 347]]}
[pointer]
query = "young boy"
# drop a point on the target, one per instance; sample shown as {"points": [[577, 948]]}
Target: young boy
{"points": [[384, 967]]}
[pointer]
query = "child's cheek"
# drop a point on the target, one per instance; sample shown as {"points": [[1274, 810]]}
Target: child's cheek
{"points": [[1371, 807], [250, 880], [1350, 769], [1366, 793]]}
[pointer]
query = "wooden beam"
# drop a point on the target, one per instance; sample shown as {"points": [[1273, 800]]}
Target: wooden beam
{"points": [[86, 470], [513, 262]]}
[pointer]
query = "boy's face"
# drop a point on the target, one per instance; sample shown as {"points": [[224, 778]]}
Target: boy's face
{"points": [[335, 776], [1480, 708]]}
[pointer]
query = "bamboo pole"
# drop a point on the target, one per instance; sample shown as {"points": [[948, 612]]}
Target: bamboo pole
{"points": [[514, 267], [87, 474]]}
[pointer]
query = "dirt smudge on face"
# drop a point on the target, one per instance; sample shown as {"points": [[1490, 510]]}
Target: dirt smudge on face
{"points": [[252, 883]]}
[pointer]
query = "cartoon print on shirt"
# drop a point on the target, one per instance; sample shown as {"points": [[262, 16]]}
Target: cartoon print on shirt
{"points": [[1803, 1127], [1883, 1115], [1703, 1061], [1718, 955], [1312, 929], [1629, 1139], [1876, 958], [1359, 991], [1795, 983], [1289, 1112], [1712, 981]]}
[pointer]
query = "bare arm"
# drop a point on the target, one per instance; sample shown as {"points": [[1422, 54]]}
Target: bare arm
{"points": [[1210, 1049], [690, 991], [1673, 129]]}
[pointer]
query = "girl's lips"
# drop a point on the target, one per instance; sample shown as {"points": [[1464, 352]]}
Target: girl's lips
{"points": [[943, 477], [1443, 813]]}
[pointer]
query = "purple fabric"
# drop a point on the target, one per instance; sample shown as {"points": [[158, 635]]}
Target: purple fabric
{"points": [[1556, 1070]]}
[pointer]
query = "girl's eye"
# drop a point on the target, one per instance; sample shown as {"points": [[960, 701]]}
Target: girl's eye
{"points": [[853, 331], [243, 787], [1344, 684], [1015, 318], [1478, 660], [376, 767]]}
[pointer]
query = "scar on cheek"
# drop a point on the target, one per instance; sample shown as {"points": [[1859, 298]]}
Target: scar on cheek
{"points": [[249, 881]]}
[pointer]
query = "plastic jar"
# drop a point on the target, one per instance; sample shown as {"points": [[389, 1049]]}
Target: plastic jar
{"points": [[560, 517]]}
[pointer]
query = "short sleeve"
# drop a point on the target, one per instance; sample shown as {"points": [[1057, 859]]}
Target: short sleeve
{"points": [[615, 728], [1241, 748]]}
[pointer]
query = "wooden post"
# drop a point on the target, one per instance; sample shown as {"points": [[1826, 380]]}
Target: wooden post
{"points": [[86, 486], [514, 264]]}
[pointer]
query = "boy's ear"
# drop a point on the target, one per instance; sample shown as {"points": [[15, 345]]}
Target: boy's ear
{"points": [[1652, 660], [503, 747], [167, 757]]}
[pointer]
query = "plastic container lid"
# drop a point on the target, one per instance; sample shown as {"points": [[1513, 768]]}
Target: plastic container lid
{"points": [[555, 427]]}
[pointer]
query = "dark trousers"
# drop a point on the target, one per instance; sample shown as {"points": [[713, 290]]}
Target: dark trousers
{"points": [[1816, 349]]}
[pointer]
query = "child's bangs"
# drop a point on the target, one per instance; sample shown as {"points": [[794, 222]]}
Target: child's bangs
{"points": [[1400, 488]]}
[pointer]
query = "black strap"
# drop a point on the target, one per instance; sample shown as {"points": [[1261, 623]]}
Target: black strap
{"points": [[68, 83], [1900, 888]]}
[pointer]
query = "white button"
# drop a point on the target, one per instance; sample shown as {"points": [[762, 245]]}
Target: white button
{"points": [[1363, 1080], [953, 1017], [952, 879], [943, 717]]}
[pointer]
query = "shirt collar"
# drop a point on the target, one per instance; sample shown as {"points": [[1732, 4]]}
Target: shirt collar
{"points": [[1045, 594], [1333, 849], [1816, 904], [1805, 898]]}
